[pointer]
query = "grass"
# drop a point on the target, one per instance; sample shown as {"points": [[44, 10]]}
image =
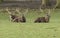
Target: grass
{"points": [[29, 29]]}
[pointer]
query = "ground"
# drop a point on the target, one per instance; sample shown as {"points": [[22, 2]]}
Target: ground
{"points": [[30, 29]]}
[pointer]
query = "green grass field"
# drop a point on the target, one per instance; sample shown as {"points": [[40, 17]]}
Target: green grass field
{"points": [[30, 29]]}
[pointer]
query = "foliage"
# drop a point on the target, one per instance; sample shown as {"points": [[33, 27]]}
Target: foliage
{"points": [[58, 4], [1, 1]]}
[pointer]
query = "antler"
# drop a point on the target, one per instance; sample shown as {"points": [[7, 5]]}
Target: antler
{"points": [[7, 9], [22, 13]]}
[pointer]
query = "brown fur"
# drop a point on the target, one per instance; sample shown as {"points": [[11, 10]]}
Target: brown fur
{"points": [[41, 20], [18, 19]]}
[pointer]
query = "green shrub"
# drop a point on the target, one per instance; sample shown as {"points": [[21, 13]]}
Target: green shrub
{"points": [[1, 1]]}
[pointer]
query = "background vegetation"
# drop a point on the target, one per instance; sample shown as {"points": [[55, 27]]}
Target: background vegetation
{"points": [[57, 6]]}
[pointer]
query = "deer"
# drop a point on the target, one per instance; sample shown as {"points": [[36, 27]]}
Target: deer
{"points": [[43, 19], [16, 18]]}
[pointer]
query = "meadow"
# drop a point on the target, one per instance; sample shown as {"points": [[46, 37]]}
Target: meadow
{"points": [[30, 29]]}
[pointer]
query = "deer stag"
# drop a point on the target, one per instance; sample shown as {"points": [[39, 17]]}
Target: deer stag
{"points": [[16, 18], [43, 19]]}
